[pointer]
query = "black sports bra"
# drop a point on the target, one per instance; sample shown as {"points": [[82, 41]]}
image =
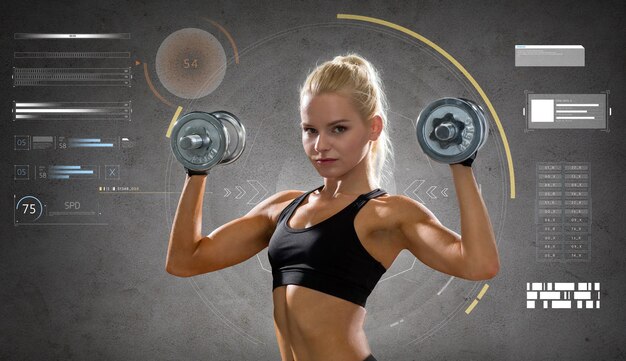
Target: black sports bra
{"points": [[326, 257]]}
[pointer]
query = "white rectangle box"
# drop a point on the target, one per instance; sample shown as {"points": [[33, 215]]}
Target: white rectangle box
{"points": [[589, 304], [531, 295], [582, 295], [561, 304], [542, 110], [537, 286], [569, 286], [579, 304], [550, 295], [597, 288], [582, 287], [530, 304]]}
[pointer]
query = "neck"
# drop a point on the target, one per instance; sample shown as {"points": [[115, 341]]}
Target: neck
{"points": [[356, 182]]}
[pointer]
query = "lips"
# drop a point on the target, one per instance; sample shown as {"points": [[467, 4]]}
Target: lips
{"points": [[325, 160]]}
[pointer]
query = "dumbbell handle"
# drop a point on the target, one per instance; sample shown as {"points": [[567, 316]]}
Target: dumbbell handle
{"points": [[445, 131], [193, 141]]}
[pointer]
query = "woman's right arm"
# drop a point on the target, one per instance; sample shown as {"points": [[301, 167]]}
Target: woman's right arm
{"points": [[189, 253]]}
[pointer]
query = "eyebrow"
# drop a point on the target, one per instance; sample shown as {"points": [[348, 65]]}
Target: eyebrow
{"points": [[330, 124]]}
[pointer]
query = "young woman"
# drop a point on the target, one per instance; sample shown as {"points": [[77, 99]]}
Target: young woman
{"points": [[328, 247]]}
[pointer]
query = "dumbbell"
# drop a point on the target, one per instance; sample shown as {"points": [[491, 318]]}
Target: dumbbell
{"points": [[452, 130], [201, 140]]}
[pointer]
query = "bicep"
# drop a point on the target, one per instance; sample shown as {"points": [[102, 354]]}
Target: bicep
{"points": [[430, 241], [231, 243], [237, 240]]}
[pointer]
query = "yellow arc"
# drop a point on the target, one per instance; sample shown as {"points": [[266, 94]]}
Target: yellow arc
{"points": [[173, 121], [458, 65]]}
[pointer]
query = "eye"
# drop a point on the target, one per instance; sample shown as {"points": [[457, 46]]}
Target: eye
{"points": [[308, 130], [340, 129]]}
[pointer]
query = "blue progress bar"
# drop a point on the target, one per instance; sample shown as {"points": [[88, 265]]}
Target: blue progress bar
{"points": [[84, 140], [64, 167], [90, 145], [73, 172], [52, 176]]}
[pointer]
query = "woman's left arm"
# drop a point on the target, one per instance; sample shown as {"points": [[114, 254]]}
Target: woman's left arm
{"points": [[471, 256]]}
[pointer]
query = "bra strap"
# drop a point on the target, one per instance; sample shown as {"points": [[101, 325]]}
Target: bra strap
{"points": [[287, 211], [363, 198]]}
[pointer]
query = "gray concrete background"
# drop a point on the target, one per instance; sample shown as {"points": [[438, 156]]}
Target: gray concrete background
{"points": [[101, 292]]}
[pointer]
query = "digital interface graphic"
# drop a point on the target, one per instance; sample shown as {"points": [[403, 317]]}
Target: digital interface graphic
{"points": [[563, 212], [91, 95], [568, 111], [549, 55], [563, 295]]}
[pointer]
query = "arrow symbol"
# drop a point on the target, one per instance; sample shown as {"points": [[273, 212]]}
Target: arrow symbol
{"points": [[228, 192], [430, 192], [414, 189], [444, 192], [258, 187], [241, 192]]}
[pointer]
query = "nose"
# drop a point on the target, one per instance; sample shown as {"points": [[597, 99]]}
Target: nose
{"points": [[321, 143]]}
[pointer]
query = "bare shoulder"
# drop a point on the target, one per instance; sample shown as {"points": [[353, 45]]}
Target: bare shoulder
{"points": [[398, 209], [389, 218], [273, 205]]}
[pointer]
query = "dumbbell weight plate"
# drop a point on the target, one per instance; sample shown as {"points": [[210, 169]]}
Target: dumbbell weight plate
{"points": [[473, 134], [236, 134], [481, 117], [209, 153]]}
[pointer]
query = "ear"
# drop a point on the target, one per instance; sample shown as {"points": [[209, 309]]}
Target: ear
{"points": [[376, 127]]}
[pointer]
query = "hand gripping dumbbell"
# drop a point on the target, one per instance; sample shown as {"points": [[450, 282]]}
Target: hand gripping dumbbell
{"points": [[452, 130], [201, 140]]}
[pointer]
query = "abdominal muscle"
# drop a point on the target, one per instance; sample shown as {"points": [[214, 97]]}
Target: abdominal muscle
{"points": [[313, 326]]}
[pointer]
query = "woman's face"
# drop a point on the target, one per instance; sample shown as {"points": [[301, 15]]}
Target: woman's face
{"points": [[334, 135]]}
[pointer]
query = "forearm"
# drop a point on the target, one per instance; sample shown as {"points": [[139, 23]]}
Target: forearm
{"points": [[478, 241], [187, 226]]}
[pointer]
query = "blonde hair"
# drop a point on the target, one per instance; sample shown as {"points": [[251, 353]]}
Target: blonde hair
{"points": [[354, 75]]}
